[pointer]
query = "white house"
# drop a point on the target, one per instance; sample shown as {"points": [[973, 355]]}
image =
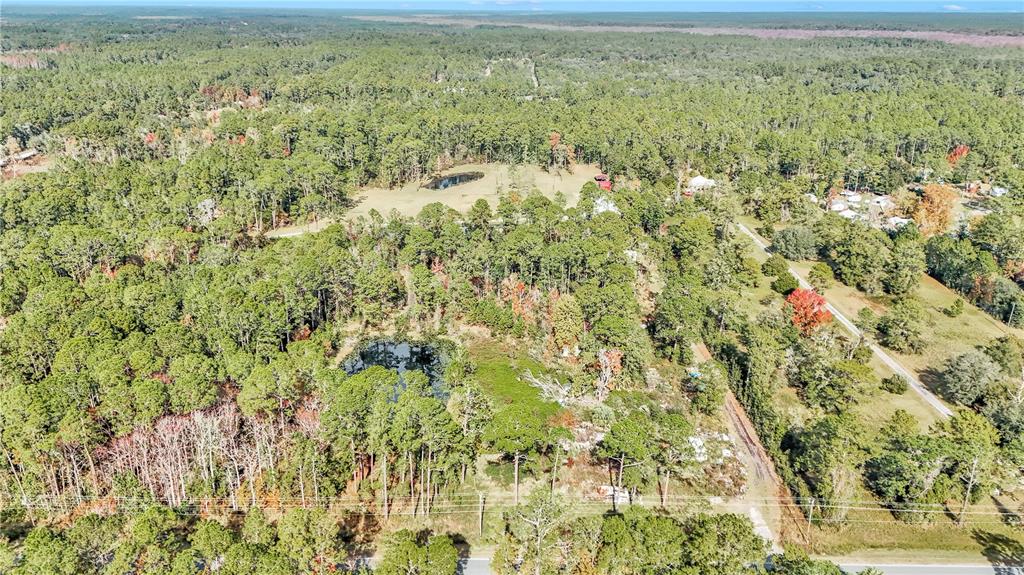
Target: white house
{"points": [[896, 222], [698, 183], [883, 202]]}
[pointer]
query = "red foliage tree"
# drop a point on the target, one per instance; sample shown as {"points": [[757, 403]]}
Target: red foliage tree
{"points": [[957, 154], [809, 311]]}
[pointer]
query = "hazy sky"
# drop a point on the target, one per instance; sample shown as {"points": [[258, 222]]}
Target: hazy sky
{"points": [[594, 5]]}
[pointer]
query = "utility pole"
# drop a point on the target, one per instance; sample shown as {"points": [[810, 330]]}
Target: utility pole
{"points": [[480, 523], [967, 492], [810, 522]]}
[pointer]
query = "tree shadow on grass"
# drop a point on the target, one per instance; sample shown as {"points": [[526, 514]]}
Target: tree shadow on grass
{"points": [[932, 379], [1006, 554], [358, 531], [1010, 517]]}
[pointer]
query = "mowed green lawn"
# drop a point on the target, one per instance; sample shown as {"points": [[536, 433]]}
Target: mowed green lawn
{"points": [[871, 531]]}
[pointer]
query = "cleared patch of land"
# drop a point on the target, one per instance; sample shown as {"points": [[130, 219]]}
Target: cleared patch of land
{"points": [[971, 39], [409, 199], [33, 165]]}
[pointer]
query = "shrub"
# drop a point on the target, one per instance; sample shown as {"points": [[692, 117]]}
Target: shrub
{"points": [[499, 319], [955, 309], [709, 390], [900, 328], [862, 353], [821, 277], [867, 319], [895, 384], [785, 284], [775, 266]]}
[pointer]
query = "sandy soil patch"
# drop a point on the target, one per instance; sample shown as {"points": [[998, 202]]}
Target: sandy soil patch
{"points": [[409, 199], [36, 164], [765, 33]]}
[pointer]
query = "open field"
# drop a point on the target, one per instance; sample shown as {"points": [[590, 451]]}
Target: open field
{"points": [[983, 40], [409, 199]]}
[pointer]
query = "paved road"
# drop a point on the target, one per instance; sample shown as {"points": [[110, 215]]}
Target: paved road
{"points": [[475, 566], [887, 359], [906, 569], [482, 566]]}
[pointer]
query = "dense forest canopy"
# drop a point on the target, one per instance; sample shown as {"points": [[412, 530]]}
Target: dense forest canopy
{"points": [[165, 364], [961, 22]]}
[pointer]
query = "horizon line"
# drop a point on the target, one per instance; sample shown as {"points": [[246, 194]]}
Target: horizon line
{"points": [[535, 10]]}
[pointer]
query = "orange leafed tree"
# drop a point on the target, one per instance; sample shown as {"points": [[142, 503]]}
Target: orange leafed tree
{"points": [[809, 311], [957, 154], [934, 213]]}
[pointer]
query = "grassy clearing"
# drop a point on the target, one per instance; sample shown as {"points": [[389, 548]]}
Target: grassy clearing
{"points": [[878, 406], [871, 531], [498, 370], [410, 198]]}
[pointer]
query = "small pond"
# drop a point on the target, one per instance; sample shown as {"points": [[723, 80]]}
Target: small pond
{"points": [[445, 182], [401, 356]]}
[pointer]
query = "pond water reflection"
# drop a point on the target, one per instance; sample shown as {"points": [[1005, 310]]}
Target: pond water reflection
{"points": [[444, 182], [401, 356]]}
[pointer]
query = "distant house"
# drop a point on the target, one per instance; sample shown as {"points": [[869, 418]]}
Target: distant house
{"points": [[838, 206], [699, 183], [997, 192], [603, 182], [851, 215], [885, 203], [896, 222]]}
